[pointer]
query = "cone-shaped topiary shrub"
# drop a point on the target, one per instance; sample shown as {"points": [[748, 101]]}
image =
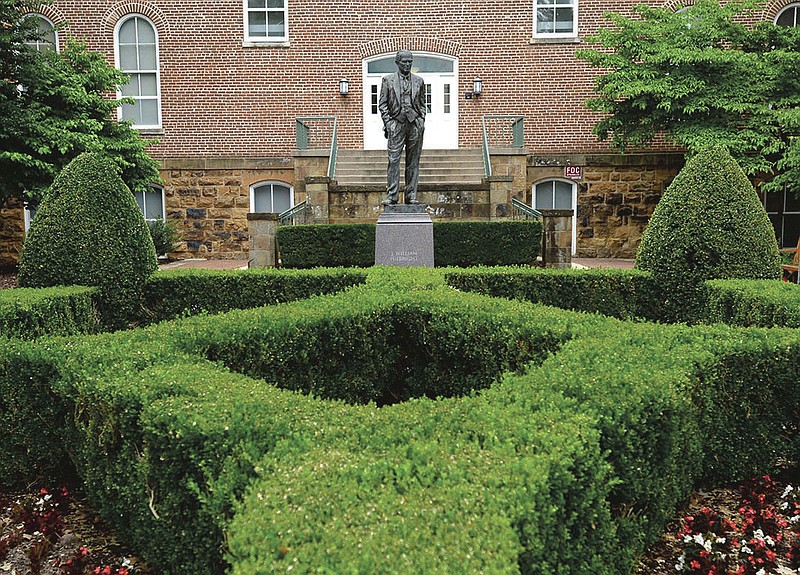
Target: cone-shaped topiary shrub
{"points": [[89, 231], [710, 224]]}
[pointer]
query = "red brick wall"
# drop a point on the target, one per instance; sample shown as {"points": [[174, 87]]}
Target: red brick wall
{"points": [[222, 99]]}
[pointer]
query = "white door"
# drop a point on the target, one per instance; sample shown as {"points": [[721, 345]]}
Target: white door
{"points": [[441, 84]]}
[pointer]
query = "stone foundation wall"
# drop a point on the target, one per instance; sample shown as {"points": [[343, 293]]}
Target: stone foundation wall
{"points": [[12, 232], [616, 196], [210, 200]]}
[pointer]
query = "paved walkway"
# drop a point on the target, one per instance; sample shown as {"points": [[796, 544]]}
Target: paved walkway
{"points": [[242, 264], [205, 264], [602, 263]]}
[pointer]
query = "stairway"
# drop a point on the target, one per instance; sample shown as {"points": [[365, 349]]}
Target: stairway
{"points": [[368, 167]]}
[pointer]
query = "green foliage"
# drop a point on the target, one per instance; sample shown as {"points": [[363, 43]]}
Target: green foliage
{"points": [[173, 293], [89, 231], [624, 294], [702, 77], [757, 303], [62, 110], [164, 234], [335, 245], [30, 313], [454, 244], [567, 439], [709, 224], [486, 243], [461, 432]]}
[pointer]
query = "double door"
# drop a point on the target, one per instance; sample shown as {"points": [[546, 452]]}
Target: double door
{"points": [[441, 87]]}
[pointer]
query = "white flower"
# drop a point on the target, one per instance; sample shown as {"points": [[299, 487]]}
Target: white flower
{"points": [[761, 572], [787, 491], [681, 562], [746, 549]]}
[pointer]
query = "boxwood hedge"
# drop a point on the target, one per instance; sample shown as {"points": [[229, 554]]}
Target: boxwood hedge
{"points": [[399, 424], [29, 313]]}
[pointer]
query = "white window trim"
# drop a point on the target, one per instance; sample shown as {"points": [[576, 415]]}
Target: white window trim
{"points": [[784, 9], [256, 41], [574, 201], [561, 36], [163, 217], [265, 183], [127, 17], [50, 23]]}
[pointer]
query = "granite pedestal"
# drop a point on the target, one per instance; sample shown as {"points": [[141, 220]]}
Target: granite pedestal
{"points": [[404, 236]]}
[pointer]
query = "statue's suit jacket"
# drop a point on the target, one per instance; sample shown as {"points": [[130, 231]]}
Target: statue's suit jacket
{"points": [[389, 104]]}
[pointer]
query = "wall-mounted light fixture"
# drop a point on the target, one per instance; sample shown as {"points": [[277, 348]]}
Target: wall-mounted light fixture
{"points": [[477, 87], [344, 87]]}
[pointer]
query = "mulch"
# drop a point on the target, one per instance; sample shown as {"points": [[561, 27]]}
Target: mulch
{"points": [[8, 278]]}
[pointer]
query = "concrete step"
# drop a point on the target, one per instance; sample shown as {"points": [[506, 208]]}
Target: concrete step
{"points": [[368, 167]]}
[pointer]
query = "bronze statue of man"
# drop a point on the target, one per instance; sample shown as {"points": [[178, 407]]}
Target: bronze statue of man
{"points": [[403, 105]]}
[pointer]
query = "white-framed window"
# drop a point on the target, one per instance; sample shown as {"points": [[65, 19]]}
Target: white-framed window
{"points": [[266, 21], [136, 46], [271, 197], [151, 202], [48, 37], [557, 194], [30, 213], [789, 16], [555, 18]]}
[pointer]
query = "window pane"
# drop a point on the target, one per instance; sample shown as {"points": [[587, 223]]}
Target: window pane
{"points": [[281, 198], [276, 27], [262, 198], [428, 98], [564, 20], [127, 32], [147, 57], [374, 99], [127, 57], [149, 112], [257, 23], [256, 4], [544, 20], [148, 85], [788, 18], [792, 202], [774, 201], [139, 196], [130, 112], [563, 196], [275, 4], [791, 230], [155, 206], [446, 98], [146, 33], [132, 87], [544, 196]]}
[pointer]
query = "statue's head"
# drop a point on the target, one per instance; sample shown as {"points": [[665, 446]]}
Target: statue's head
{"points": [[404, 59]]}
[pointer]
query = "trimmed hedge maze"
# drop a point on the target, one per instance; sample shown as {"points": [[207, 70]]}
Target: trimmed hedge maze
{"points": [[399, 426]]}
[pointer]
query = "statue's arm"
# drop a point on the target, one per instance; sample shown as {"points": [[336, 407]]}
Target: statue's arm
{"points": [[383, 102], [422, 104]]}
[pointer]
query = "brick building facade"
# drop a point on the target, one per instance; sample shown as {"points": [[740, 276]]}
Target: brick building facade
{"points": [[221, 84]]}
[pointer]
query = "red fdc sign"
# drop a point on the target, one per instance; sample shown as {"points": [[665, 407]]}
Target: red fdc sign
{"points": [[573, 172]]}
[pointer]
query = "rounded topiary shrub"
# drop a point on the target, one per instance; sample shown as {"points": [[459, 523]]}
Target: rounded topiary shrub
{"points": [[710, 224], [89, 231]]}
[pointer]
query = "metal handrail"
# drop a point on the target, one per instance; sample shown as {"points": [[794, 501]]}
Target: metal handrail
{"points": [[288, 217], [334, 153], [314, 132], [501, 132], [525, 211]]}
